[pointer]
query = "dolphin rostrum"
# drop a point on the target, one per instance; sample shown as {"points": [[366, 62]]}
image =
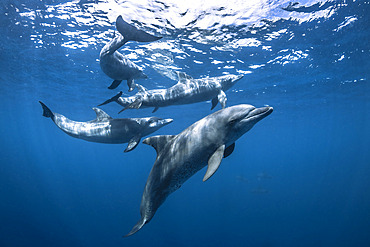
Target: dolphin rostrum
{"points": [[105, 129], [117, 66], [180, 156], [186, 91]]}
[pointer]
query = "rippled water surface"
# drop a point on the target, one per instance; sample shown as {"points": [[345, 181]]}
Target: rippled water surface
{"points": [[300, 177]]}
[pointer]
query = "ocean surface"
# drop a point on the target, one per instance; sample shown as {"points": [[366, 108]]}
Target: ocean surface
{"points": [[300, 177]]}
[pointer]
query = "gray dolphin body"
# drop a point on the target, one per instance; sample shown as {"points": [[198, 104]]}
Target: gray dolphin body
{"points": [[117, 66], [105, 129], [180, 156], [186, 91]]}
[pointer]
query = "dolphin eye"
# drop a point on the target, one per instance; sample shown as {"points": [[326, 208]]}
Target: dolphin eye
{"points": [[232, 122]]}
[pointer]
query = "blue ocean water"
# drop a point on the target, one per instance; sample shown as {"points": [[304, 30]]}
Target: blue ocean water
{"points": [[300, 177]]}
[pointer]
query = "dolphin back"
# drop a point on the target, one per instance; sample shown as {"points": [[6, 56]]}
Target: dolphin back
{"points": [[130, 32], [46, 111]]}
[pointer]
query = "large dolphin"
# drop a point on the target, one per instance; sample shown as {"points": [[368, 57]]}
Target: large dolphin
{"points": [[105, 129], [117, 66], [186, 91], [180, 156]]}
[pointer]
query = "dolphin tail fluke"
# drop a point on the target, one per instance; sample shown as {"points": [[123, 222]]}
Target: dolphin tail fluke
{"points": [[137, 227], [130, 32], [46, 111], [113, 99]]}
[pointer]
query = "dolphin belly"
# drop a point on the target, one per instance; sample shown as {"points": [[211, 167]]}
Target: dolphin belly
{"points": [[117, 67], [196, 98]]}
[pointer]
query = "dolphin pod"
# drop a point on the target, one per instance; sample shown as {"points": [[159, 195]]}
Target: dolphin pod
{"points": [[105, 129], [186, 91], [180, 156], [117, 66], [204, 143]]}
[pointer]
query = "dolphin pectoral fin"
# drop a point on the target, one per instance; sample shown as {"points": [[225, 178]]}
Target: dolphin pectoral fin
{"points": [[222, 98], [115, 84], [132, 33], [158, 142], [229, 150], [133, 143], [130, 84], [137, 227], [214, 103], [155, 109], [101, 115], [134, 105], [214, 162]]}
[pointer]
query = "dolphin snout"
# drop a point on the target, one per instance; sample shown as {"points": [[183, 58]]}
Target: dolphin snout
{"points": [[261, 112], [167, 121]]}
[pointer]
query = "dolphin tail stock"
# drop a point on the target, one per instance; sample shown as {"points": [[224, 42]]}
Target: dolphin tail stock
{"points": [[130, 32], [137, 227], [113, 99], [46, 111]]}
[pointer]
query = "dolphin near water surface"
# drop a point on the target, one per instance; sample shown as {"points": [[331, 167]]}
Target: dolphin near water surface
{"points": [[117, 66]]}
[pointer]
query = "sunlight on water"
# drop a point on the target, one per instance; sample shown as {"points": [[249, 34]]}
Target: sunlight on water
{"points": [[217, 26], [205, 22]]}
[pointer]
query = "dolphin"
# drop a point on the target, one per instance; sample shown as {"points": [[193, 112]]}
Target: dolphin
{"points": [[105, 129], [186, 91], [180, 156], [117, 66]]}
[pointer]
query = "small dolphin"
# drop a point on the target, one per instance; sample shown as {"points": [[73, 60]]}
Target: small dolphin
{"points": [[180, 156], [105, 129], [117, 66], [186, 91]]}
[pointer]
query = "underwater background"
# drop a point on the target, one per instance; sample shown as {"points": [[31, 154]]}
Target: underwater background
{"points": [[300, 177]]}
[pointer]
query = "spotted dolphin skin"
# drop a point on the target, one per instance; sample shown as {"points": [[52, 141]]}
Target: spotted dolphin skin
{"points": [[180, 156], [117, 66], [105, 129], [186, 91]]}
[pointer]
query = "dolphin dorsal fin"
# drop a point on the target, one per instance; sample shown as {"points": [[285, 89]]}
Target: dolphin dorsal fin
{"points": [[183, 77], [101, 115], [158, 142]]}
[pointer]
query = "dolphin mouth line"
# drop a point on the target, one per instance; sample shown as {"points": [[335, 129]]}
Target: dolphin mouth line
{"points": [[260, 113]]}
